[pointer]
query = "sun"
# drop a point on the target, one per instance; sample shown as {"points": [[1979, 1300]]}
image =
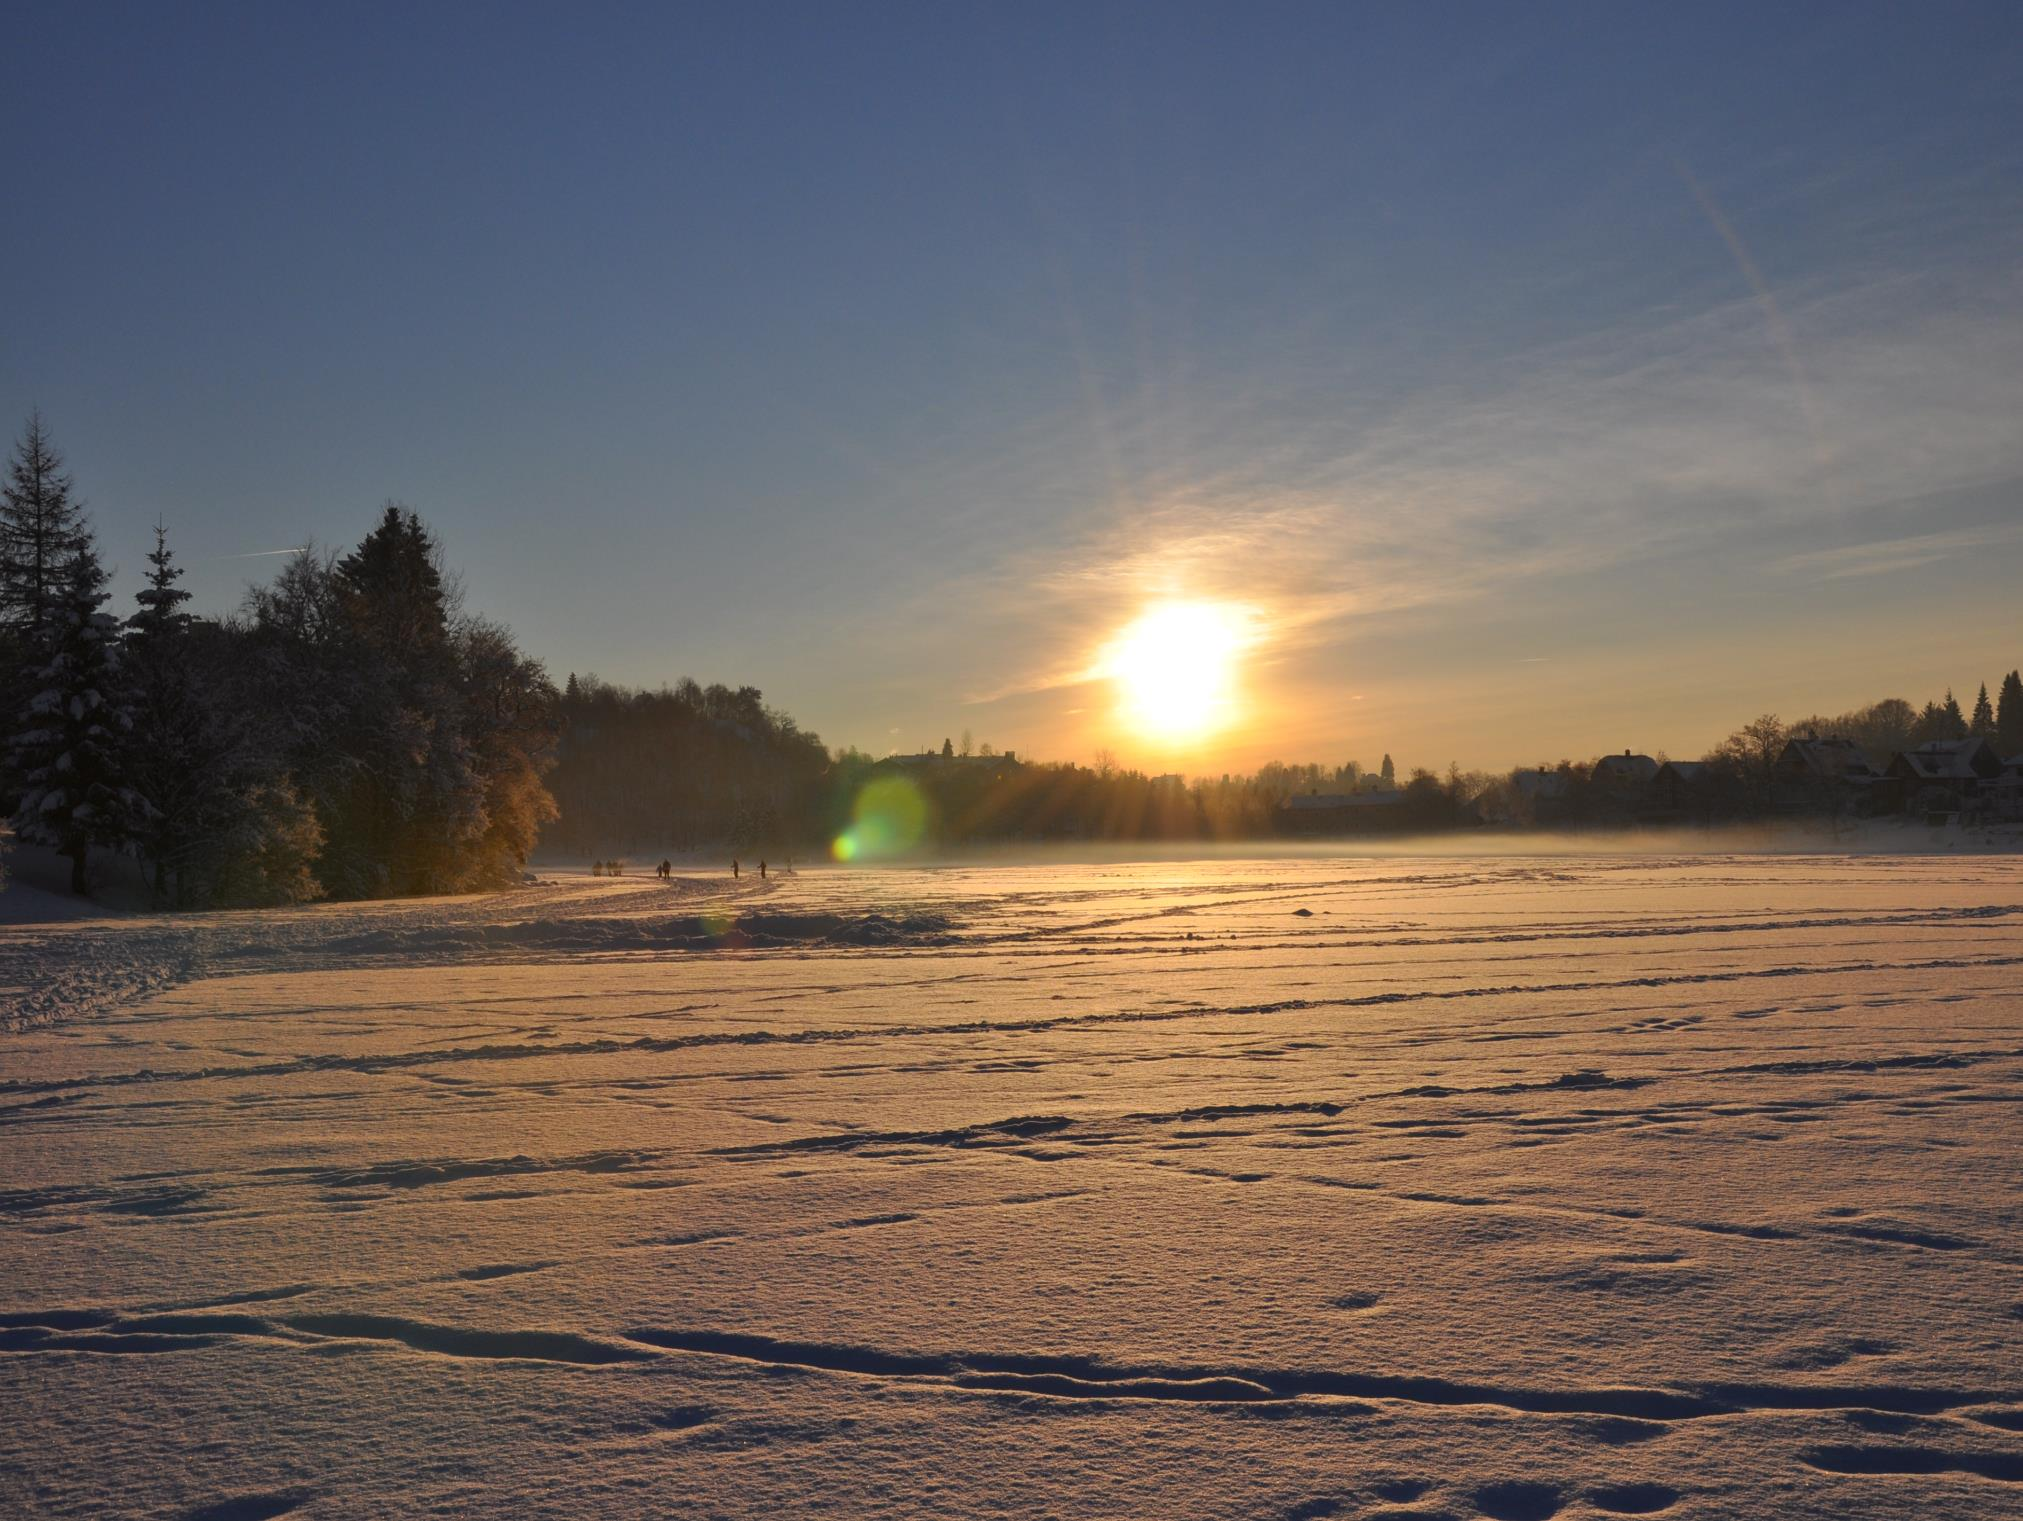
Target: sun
{"points": [[1175, 669]]}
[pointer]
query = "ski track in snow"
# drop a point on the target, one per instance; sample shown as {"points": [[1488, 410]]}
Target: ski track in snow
{"points": [[1399, 1188]]}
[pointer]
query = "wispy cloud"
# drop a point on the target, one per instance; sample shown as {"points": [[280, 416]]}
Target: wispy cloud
{"points": [[1883, 557], [1674, 435]]}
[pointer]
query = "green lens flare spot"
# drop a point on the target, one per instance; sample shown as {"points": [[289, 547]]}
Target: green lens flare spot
{"points": [[888, 819]]}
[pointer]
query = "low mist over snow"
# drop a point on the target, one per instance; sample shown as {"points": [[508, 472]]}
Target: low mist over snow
{"points": [[1514, 1188]]}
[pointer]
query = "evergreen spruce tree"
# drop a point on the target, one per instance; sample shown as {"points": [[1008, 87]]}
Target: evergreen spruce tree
{"points": [[1955, 720], [161, 618], [392, 586], [41, 530], [70, 744], [1389, 773], [1983, 721], [2009, 716], [1930, 722], [400, 795], [176, 753]]}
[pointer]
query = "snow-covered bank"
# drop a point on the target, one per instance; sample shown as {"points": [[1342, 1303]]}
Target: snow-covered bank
{"points": [[63, 958], [1469, 1187]]}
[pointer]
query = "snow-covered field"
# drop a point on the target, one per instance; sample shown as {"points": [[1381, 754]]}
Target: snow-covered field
{"points": [[1409, 1188]]}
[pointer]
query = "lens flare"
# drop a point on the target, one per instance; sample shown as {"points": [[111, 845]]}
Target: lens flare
{"points": [[1175, 669], [888, 819]]}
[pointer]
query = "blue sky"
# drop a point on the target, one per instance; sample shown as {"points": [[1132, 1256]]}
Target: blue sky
{"points": [[1544, 379]]}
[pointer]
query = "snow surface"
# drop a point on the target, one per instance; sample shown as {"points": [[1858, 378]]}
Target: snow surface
{"points": [[1409, 1188]]}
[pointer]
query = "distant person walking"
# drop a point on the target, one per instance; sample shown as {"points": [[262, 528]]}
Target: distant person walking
{"points": [[762, 871], [734, 866]]}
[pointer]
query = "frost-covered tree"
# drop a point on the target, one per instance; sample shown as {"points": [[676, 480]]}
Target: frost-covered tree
{"points": [[510, 716], [70, 744], [353, 657], [263, 850], [418, 737], [41, 530], [411, 808], [223, 822]]}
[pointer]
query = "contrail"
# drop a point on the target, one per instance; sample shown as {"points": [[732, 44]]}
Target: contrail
{"points": [[1780, 332], [258, 554]]}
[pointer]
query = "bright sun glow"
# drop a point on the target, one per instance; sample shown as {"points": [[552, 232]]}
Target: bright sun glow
{"points": [[1175, 669]]}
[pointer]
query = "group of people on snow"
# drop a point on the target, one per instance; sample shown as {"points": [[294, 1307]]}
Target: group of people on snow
{"points": [[665, 869]]}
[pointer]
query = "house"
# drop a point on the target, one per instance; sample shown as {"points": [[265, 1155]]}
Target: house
{"points": [[1343, 813], [1540, 796], [928, 760], [1963, 769], [1811, 761], [1623, 771], [2002, 799], [1949, 762], [1324, 802], [1540, 786], [1835, 774], [1678, 788]]}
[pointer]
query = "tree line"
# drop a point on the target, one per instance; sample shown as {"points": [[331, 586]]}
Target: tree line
{"points": [[682, 768], [1884, 728], [689, 768], [1737, 779], [351, 731]]}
